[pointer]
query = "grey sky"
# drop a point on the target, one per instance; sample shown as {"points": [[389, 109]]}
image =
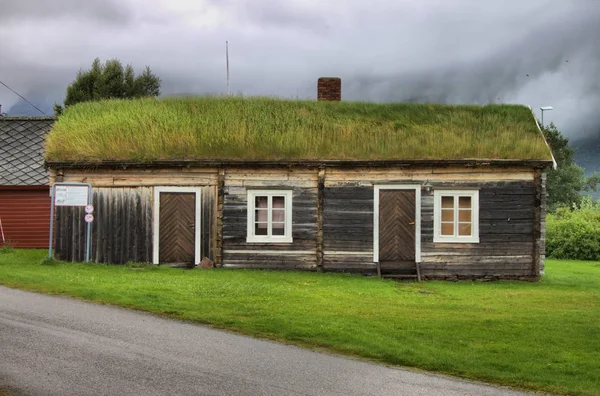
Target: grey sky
{"points": [[536, 52]]}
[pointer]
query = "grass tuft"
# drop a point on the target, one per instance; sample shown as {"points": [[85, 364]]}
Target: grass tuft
{"points": [[236, 128], [50, 261], [6, 249], [138, 266]]}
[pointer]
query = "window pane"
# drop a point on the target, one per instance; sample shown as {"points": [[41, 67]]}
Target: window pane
{"points": [[447, 215], [279, 202], [464, 202], [447, 202], [447, 229], [464, 216], [260, 229], [261, 202], [278, 216], [278, 229], [464, 229], [261, 215]]}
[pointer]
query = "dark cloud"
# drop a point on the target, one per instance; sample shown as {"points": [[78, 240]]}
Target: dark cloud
{"points": [[105, 11], [536, 52], [275, 14]]}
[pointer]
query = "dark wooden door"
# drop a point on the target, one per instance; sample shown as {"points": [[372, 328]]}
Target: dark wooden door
{"points": [[176, 232], [397, 226]]}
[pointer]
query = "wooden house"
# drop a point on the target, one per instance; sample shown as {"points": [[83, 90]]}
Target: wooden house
{"points": [[398, 189], [24, 191]]}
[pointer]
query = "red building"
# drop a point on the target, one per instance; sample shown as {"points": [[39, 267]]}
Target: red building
{"points": [[24, 191]]}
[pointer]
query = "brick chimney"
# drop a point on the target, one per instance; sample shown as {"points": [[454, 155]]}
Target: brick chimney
{"points": [[329, 88]]}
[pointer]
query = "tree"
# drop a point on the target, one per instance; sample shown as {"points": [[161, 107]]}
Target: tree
{"points": [[107, 81], [566, 183]]}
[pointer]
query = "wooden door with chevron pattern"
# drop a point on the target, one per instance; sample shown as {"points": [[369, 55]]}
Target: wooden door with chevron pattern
{"points": [[397, 227], [177, 217]]}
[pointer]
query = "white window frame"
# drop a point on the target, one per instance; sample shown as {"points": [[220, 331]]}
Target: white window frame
{"points": [[437, 221], [287, 236], [417, 189], [156, 219]]}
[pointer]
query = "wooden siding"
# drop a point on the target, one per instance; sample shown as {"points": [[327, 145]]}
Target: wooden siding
{"points": [[180, 176], [302, 252], [509, 200], [25, 217], [367, 177], [541, 240], [506, 235], [506, 248], [122, 228], [348, 228]]}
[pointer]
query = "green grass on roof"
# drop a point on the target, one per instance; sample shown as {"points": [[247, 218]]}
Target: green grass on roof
{"points": [[235, 128]]}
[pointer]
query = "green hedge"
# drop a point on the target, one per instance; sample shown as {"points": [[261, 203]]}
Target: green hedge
{"points": [[574, 233]]}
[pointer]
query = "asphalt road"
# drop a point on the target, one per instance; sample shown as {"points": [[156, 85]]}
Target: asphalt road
{"points": [[58, 346]]}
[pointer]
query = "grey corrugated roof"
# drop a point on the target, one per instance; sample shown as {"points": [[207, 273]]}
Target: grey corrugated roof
{"points": [[21, 146]]}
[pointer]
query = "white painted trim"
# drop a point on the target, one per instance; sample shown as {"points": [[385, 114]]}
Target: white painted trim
{"points": [[251, 195], [437, 215], [377, 188], [554, 164], [156, 217]]}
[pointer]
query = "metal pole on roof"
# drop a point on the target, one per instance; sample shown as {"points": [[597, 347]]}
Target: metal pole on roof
{"points": [[545, 108], [227, 61]]}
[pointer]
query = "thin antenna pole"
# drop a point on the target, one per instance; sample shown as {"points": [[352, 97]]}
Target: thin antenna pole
{"points": [[227, 60]]}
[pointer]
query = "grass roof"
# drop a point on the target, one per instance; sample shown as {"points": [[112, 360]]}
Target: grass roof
{"points": [[236, 128]]}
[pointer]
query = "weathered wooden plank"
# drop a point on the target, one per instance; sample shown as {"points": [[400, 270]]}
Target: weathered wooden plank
{"points": [[319, 219], [118, 233]]}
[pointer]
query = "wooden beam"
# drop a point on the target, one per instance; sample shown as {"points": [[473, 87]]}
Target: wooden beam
{"points": [[537, 223], [219, 223], [320, 201]]}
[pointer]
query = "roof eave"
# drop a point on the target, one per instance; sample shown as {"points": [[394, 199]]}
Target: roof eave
{"points": [[303, 163]]}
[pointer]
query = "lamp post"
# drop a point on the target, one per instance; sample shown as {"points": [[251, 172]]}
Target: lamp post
{"points": [[545, 108]]}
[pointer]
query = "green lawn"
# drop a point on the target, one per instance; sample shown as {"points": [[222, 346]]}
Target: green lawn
{"points": [[541, 336]]}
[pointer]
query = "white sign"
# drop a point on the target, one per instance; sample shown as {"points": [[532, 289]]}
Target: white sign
{"points": [[71, 195], [89, 209], [89, 218]]}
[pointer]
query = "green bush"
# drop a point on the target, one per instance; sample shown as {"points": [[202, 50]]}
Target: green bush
{"points": [[574, 233]]}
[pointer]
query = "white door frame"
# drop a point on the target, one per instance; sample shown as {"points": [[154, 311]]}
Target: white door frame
{"points": [[377, 188], [156, 220]]}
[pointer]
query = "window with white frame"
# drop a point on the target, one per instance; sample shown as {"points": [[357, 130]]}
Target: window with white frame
{"points": [[456, 216], [269, 216]]}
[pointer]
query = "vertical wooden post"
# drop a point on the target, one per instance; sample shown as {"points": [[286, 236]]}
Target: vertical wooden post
{"points": [[537, 222], [220, 204], [320, 202]]}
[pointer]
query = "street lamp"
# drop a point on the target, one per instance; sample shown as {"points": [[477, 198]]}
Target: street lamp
{"points": [[545, 108]]}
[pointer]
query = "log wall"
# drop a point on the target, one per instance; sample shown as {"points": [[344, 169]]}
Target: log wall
{"points": [[507, 247], [332, 218], [302, 252]]}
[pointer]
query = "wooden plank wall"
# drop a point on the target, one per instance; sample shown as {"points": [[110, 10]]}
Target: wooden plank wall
{"points": [[122, 228], [302, 252], [506, 246], [506, 238], [541, 242], [121, 231], [348, 228], [181, 176]]}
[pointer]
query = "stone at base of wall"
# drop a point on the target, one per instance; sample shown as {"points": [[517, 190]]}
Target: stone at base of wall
{"points": [[206, 263]]}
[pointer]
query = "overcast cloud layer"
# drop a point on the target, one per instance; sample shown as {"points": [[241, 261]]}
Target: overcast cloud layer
{"points": [[536, 52]]}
